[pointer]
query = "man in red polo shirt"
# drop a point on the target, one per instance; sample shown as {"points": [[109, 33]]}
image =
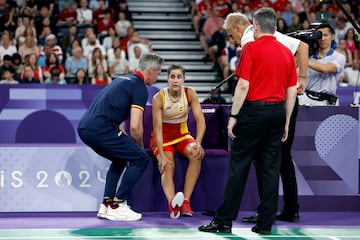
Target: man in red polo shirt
{"points": [[68, 15], [264, 98]]}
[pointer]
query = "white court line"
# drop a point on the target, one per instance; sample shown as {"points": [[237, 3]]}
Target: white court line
{"points": [[208, 236]]}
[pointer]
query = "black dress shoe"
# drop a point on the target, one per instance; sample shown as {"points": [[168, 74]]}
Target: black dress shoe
{"points": [[252, 219], [288, 217], [258, 230], [215, 228]]}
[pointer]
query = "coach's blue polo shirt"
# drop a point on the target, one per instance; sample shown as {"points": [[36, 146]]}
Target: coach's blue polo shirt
{"points": [[112, 105]]}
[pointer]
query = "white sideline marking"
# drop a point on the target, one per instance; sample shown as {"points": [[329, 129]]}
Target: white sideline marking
{"points": [[208, 236]]}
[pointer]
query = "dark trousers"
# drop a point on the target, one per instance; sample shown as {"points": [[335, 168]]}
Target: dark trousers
{"points": [[127, 157], [258, 133], [287, 169]]}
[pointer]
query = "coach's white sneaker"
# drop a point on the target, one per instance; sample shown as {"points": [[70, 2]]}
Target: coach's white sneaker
{"points": [[102, 211], [122, 212]]}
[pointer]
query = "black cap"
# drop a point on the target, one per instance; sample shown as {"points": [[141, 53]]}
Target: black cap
{"points": [[326, 25]]}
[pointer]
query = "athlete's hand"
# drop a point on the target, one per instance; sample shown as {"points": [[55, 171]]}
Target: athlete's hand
{"points": [[162, 163], [198, 151]]}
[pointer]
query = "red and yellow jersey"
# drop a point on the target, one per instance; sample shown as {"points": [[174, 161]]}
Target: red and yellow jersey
{"points": [[174, 117]]}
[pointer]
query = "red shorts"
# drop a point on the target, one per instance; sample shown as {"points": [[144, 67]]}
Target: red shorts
{"points": [[178, 147]]}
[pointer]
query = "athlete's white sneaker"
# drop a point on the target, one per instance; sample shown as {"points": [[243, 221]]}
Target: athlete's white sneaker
{"points": [[102, 211], [122, 212]]}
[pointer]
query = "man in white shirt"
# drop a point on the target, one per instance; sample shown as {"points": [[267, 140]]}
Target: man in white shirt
{"points": [[84, 14], [6, 47], [134, 61], [88, 49]]}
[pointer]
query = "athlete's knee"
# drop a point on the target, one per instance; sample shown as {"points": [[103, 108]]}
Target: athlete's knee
{"points": [[195, 159]]}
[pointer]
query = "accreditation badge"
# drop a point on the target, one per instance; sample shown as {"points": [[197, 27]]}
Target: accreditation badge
{"points": [[181, 106]]}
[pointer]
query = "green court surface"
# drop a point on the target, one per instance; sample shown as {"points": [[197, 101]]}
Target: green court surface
{"points": [[179, 233]]}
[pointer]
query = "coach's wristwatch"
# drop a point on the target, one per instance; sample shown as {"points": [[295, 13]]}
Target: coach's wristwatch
{"points": [[232, 115]]}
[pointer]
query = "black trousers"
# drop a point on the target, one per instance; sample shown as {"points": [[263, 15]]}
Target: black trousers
{"points": [[258, 134], [287, 169]]}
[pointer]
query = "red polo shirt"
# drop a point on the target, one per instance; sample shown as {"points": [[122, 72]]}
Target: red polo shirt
{"points": [[67, 15], [269, 67]]}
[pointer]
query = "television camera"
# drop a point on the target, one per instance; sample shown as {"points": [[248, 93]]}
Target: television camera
{"points": [[308, 36]]}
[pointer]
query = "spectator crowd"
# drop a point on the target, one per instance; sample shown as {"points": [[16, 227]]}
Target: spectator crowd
{"points": [[292, 16], [81, 35], [68, 41]]}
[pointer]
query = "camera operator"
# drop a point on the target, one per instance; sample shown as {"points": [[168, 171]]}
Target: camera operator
{"points": [[325, 66]]}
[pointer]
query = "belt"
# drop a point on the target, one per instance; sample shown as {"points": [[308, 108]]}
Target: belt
{"points": [[262, 103]]}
